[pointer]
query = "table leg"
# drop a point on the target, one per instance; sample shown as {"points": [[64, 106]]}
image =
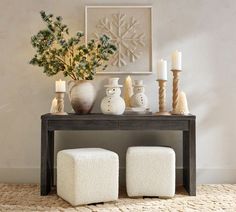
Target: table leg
{"points": [[189, 159], [47, 159]]}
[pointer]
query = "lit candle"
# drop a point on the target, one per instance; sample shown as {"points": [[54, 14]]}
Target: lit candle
{"points": [[60, 86], [177, 60], [128, 91], [162, 70]]}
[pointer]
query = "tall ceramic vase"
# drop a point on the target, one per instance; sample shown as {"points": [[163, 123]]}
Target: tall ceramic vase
{"points": [[82, 96]]}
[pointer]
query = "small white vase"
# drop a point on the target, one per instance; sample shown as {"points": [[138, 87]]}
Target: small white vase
{"points": [[82, 96]]}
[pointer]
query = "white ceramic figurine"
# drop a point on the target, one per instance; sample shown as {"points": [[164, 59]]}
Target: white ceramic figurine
{"points": [[113, 104], [139, 99]]}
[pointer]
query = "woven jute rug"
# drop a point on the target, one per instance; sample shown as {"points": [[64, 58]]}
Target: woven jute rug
{"points": [[25, 197]]}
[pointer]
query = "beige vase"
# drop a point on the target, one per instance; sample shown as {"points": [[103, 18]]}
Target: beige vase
{"points": [[82, 96]]}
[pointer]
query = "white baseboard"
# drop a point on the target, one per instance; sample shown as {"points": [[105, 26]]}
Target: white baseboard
{"points": [[216, 176], [19, 175], [204, 176]]}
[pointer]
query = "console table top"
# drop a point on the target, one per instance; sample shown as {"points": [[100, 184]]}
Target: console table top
{"points": [[100, 116]]}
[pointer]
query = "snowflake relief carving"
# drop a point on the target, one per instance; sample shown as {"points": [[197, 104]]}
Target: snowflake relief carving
{"points": [[123, 32]]}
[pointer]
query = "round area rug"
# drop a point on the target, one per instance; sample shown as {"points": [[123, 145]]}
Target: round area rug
{"points": [[25, 197]]}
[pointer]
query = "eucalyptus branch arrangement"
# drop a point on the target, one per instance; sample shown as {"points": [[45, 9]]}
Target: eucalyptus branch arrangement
{"points": [[57, 51]]}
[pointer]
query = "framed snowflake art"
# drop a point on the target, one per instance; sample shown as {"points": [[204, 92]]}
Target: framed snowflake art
{"points": [[130, 29]]}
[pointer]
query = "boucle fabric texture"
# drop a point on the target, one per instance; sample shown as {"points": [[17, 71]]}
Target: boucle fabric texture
{"points": [[150, 171], [87, 175], [25, 197]]}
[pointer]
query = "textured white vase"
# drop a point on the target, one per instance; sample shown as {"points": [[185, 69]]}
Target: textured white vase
{"points": [[82, 96]]}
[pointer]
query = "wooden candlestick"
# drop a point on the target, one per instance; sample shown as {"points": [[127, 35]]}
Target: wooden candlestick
{"points": [[60, 103], [162, 98], [175, 98]]}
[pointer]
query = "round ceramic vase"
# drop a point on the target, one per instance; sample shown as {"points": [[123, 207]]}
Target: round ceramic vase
{"points": [[82, 96]]}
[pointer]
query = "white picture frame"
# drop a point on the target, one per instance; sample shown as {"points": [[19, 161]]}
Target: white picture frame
{"points": [[142, 63]]}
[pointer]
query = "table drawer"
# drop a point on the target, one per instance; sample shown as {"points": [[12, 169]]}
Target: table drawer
{"points": [[154, 125], [83, 125]]}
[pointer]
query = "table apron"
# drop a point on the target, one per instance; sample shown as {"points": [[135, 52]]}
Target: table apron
{"points": [[182, 125]]}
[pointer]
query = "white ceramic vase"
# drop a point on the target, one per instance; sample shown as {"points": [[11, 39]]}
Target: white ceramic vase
{"points": [[82, 96]]}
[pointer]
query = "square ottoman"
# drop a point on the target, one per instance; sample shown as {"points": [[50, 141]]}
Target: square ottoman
{"points": [[150, 171], [87, 175]]}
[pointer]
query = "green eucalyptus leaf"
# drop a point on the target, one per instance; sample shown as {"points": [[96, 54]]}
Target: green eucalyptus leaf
{"points": [[56, 53]]}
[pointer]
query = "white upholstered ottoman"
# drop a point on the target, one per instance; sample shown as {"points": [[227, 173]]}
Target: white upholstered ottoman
{"points": [[87, 175], [150, 171]]}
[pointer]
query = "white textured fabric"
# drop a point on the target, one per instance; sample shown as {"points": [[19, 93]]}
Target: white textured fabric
{"points": [[87, 175], [150, 171]]}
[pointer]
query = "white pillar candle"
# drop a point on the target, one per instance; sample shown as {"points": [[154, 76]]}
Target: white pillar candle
{"points": [[60, 86], [162, 70], [177, 60]]}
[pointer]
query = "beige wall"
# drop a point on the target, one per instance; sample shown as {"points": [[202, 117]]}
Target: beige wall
{"points": [[204, 30]]}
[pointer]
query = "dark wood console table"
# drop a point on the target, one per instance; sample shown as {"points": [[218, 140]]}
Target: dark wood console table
{"points": [[51, 123]]}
